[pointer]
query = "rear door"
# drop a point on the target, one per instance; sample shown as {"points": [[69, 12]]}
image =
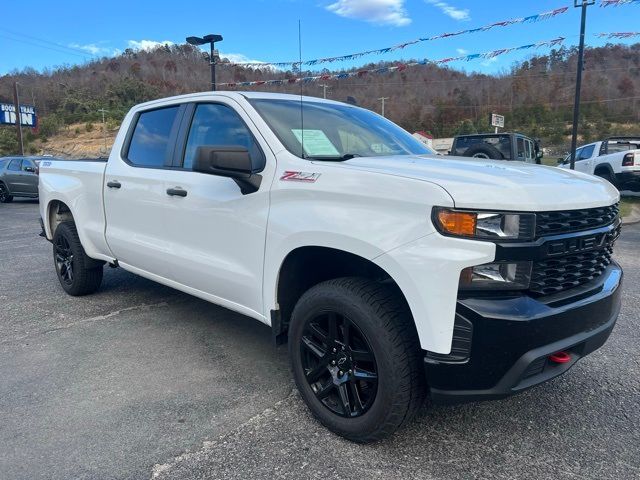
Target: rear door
{"points": [[135, 197], [216, 234], [13, 176]]}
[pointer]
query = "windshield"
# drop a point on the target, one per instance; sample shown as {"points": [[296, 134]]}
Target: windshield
{"points": [[325, 131]]}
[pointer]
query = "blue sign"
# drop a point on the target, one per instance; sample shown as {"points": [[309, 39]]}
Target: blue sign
{"points": [[28, 116]]}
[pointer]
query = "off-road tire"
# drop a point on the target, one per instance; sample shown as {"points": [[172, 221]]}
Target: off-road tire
{"points": [[86, 272], [381, 314], [483, 150]]}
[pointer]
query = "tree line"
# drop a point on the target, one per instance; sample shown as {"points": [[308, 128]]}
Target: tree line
{"points": [[535, 95]]}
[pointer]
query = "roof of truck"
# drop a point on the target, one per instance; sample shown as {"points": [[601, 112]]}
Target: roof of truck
{"points": [[238, 95]]}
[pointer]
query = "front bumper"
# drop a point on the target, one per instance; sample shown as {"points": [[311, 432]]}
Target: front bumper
{"points": [[512, 338]]}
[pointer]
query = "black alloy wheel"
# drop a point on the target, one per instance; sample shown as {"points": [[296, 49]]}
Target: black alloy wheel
{"points": [[64, 260], [339, 364]]}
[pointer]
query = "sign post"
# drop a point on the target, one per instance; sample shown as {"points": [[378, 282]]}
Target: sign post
{"points": [[497, 121]]}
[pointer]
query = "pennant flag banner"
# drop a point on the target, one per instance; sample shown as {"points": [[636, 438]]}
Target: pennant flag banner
{"points": [[618, 35], [394, 68], [617, 3], [530, 19]]}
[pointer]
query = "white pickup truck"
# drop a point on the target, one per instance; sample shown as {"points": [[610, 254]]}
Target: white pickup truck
{"points": [[391, 272], [616, 159]]}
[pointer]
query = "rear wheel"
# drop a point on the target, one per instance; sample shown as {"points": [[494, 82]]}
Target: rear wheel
{"points": [[4, 194], [606, 175], [355, 358], [78, 274]]}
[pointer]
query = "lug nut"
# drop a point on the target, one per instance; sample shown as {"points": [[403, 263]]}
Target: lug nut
{"points": [[341, 372], [334, 350], [350, 372], [333, 362]]}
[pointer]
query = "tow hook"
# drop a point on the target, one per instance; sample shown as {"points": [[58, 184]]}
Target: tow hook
{"points": [[560, 357]]}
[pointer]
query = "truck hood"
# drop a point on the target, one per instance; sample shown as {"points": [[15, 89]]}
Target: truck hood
{"points": [[494, 184]]}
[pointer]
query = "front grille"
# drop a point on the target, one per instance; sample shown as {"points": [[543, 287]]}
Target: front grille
{"points": [[554, 223], [561, 273]]}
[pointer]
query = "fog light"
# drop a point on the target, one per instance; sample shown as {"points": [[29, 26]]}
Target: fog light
{"points": [[496, 276]]}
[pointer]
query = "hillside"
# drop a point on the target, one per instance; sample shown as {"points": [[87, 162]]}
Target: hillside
{"points": [[536, 95]]}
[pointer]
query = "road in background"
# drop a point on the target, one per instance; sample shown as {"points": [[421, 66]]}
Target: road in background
{"points": [[140, 380]]}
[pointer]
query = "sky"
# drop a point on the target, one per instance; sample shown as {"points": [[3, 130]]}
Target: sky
{"points": [[50, 34]]}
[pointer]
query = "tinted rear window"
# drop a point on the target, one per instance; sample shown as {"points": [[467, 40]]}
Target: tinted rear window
{"points": [[149, 145]]}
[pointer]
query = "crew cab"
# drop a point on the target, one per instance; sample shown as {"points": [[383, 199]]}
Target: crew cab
{"points": [[391, 272], [616, 159]]}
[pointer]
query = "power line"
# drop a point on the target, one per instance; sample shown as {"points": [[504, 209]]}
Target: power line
{"points": [[48, 42], [45, 46]]}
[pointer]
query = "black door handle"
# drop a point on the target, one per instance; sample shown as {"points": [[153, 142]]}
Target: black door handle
{"points": [[176, 192], [115, 184]]}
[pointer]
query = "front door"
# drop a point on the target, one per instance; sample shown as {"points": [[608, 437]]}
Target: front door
{"points": [[14, 177], [216, 233]]}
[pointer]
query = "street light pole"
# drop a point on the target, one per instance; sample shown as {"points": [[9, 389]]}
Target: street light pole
{"points": [[576, 103], [213, 55], [324, 89]]}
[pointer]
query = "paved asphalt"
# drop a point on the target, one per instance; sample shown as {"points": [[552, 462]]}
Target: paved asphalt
{"points": [[140, 381]]}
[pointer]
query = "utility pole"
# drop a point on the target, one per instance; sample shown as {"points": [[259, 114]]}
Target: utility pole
{"points": [[104, 128], [16, 101], [324, 90], [583, 4], [382, 99]]}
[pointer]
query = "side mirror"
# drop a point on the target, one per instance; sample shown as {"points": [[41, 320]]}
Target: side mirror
{"points": [[560, 161], [231, 161], [224, 160], [30, 169]]}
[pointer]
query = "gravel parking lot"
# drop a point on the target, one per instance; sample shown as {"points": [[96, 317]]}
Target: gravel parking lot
{"points": [[141, 381]]}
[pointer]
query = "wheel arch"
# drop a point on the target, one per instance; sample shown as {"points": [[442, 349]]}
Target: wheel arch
{"points": [[306, 266], [57, 212]]}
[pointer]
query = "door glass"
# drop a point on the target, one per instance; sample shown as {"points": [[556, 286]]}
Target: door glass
{"points": [[520, 151], [14, 166], [585, 152], [28, 164], [215, 124], [149, 145]]}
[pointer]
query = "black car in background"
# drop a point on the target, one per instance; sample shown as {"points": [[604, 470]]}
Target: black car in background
{"points": [[497, 146], [19, 177]]}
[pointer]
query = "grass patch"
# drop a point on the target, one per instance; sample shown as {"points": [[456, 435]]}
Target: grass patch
{"points": [[626, 205]]}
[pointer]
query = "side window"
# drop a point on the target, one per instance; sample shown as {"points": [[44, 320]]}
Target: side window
{"points": [[520, 148], [28, 164], [14, 166], [216, 124], [149, 146], [585, 152]]}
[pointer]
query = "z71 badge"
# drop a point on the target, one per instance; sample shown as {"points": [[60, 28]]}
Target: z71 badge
{"points": [[299, 176]]}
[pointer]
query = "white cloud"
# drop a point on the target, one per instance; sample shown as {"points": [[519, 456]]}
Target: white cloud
{"points": [[453, 12], [92, 48], [147, 44], [489, 62], [462, 51], [382, 12]]}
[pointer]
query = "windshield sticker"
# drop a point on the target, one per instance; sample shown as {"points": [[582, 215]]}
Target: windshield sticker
{"points": [[315, 143]]}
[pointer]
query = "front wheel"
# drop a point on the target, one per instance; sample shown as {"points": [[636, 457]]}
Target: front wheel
{"points": [[356, 358], [78, 274]]}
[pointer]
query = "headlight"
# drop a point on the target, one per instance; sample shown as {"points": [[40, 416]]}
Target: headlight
{"points": [[497, 276], [485, 225]]}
